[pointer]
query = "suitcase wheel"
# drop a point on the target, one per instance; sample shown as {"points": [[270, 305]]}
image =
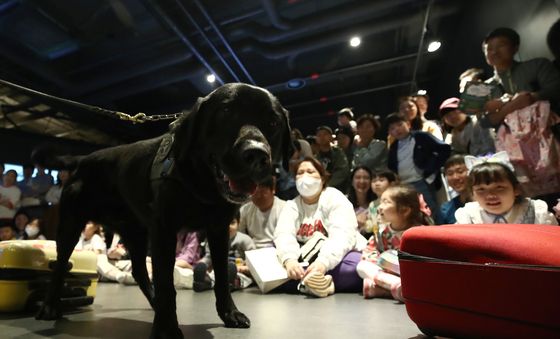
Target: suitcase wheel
{"points": [[427, 332]]}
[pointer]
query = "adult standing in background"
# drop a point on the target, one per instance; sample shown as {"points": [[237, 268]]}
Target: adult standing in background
{"points": [[409, 108], [369, 151], [423, 101], [553, 42], [41, 183], [345, 141], [345, 117], [467, 136], [297, 136], [9, 195], [333, 159], [53, 195], [522, 82]]}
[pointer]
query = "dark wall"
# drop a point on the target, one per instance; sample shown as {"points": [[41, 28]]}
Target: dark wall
{"points": [[16, 146]]}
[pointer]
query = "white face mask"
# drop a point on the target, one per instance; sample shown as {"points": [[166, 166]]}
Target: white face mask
{"points": [[308, 186], [31, 231]]}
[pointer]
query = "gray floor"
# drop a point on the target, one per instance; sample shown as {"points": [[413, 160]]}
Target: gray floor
{"points": [[122, 312]]}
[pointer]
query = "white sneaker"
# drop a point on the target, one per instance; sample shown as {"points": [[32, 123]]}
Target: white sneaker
{"points": [[317, 284], [125, 278], [183, 277]]}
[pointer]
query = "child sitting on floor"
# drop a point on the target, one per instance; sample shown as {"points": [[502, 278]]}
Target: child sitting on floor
{"points": [[91, 239], [400, 210], [498, 197], [380, 181], [238, 271], [187, 254], [116, 264]]}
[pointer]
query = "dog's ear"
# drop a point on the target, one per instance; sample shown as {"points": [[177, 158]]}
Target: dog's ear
{"points": [[184, 130], [287, 143]]}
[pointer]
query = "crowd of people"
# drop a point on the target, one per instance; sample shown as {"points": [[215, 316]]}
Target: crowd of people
{"points": [[352, 195]]}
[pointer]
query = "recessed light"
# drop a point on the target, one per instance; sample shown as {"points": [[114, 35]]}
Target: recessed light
{"points": [[355, 41], [434, 46], [295, 84]]}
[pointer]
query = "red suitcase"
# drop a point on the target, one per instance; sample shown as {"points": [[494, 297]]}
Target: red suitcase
{"points": [[493, 281]]}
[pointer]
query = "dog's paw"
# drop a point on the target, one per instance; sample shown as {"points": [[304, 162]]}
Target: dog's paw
{"points": [[48, 312], [235, 319]]}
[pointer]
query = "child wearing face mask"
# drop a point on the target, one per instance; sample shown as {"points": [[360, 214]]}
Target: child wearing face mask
{"points": [[399, 210], [498, 197], [33, 230], [325, 210]]}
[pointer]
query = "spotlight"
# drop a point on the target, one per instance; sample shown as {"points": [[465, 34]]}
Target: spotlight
{"points": [[211, 78], [434, 46], [355, 41]]}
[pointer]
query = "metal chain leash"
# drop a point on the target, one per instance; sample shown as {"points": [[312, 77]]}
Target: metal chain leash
{"points": [[143, 117], [138, 118]]}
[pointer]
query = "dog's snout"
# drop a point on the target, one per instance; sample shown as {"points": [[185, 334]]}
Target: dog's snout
{"points": [[256, 155]]}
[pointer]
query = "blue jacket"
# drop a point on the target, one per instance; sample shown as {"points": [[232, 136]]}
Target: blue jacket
{"points": [[429, 153]]}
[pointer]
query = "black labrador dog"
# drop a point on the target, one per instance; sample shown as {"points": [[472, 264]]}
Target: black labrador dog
{"points": [[196, 175]]}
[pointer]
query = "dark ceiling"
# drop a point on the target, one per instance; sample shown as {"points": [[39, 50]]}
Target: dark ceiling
{"points": [[153, 56]]}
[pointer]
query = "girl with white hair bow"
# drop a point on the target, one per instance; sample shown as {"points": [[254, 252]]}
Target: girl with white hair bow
{"points": [[498, 196]]}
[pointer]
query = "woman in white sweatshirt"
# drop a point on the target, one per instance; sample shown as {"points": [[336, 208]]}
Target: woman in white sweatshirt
{"points": [[325, 210]]}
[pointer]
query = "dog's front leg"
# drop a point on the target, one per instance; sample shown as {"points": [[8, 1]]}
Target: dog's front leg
{"points": [[68, 233], [163, 258], [218, 239]]}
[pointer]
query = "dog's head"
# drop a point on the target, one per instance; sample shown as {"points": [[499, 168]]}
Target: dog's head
{"points": [[237, 133]]}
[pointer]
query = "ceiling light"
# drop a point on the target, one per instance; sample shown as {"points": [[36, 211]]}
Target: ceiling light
{"points": [[434, 46], [211, 78], [355, 41], [295, 84]]}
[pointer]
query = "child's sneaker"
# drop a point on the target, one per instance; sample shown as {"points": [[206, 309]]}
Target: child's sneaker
{"points": [[125, 278], [396, 292], [183, 277], [317, 284], [371, 290], [201, 281]]}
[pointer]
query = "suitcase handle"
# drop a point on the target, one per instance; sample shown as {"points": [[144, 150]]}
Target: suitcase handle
{"points": [[420, 258]]}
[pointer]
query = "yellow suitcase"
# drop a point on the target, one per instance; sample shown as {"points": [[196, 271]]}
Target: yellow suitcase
{"points": [[25, 274]]}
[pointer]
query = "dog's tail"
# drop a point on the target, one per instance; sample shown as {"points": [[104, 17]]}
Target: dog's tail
{"points": [[48, 157]]}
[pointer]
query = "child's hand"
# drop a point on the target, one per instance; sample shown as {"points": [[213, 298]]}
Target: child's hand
{"points": [[294, 269], [243, 269], [361, 217], [317, 267]]}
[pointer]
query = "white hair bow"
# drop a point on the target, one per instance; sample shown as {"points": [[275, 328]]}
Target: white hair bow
{"points": [[500, 158]]}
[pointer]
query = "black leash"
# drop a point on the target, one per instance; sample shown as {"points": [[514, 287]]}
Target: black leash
{"points": [[137, 118]]}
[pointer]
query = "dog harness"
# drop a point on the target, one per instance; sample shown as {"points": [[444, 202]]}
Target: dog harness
{"points": [[163, 162]]}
